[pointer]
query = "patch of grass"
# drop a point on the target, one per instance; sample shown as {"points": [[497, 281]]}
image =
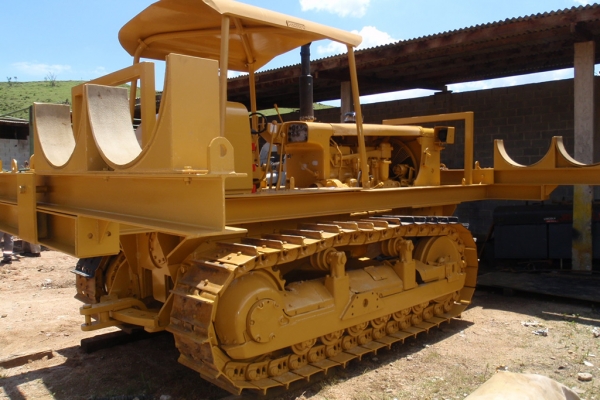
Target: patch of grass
{"points": [[575, 326], [328, 383], [487, 374], [16, 96], [432, 356], [146, 384], [19, 95], [373, 396]]}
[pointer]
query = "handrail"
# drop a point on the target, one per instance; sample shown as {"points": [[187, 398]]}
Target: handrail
{"points": [[467, 116]]}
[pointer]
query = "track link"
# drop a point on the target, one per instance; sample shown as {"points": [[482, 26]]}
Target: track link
{"points": [[207, 277]]}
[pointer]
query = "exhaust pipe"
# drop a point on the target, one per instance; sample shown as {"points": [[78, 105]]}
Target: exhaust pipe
{"points": [[306, 86]]}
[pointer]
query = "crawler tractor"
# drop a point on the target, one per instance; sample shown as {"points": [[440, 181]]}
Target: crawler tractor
{"points": [[265, 273]]}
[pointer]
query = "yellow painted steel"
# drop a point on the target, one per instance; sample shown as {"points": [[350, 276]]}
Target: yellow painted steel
{"points": [[223, 72], [467, 117], [194, 28], [262, 281], [359, 118], [26, 203]]}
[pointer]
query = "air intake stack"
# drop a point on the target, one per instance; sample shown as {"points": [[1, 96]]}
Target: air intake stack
{"points": [[306, 86]]}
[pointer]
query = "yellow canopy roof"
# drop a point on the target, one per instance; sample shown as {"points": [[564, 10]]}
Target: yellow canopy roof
{"points": [[193, 27]]}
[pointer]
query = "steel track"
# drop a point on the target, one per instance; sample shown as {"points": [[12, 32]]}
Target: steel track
{"points": [[207, 277]]}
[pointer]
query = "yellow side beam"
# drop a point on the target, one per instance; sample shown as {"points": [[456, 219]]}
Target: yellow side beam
{"points": [[298, 205]]}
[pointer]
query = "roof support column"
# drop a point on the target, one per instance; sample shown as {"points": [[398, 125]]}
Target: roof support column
{"points": [[345, 99], [223, 68], [364, 167], [584, 152]]}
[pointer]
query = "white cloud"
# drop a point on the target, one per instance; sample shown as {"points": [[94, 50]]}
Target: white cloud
{"points": [[235, 74], [371, 37], [99, 71], [40, 70], [374, 37], [401, 95], [343, 8], [513, 80], [390, 96], [582, 2], [469, 86], [330, 48]]}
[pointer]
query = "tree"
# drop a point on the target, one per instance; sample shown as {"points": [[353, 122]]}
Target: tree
{"points": [[51, 78]]}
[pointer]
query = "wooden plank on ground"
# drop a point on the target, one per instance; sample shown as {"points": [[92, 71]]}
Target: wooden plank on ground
{"points": [[17, 360]]}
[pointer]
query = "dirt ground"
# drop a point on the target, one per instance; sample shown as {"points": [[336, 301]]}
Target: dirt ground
{"points": [[38, 313]]}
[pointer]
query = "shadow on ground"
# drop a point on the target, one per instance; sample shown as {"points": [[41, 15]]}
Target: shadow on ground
{"points": [[146, 369]]}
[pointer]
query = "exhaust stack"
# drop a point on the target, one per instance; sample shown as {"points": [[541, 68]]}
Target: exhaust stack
{"points": [[306, 86]]}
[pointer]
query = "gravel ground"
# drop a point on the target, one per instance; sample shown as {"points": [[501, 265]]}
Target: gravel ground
{"points": [[496, 333]]}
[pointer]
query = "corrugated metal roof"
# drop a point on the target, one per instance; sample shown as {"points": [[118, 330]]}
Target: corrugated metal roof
{"points": [[514, 46]]}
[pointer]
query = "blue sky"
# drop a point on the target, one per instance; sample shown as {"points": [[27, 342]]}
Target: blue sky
{"points": [[77, 40]]}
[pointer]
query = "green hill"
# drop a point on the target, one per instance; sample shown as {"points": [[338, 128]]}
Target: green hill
{"points": [[19, 95], [15, 96]]}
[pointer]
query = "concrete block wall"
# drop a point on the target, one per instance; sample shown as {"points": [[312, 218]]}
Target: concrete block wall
{"points": [[525, 116], [13, 149]]}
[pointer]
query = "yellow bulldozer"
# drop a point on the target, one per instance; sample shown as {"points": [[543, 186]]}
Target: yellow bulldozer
{"points": [[265, 272]]}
